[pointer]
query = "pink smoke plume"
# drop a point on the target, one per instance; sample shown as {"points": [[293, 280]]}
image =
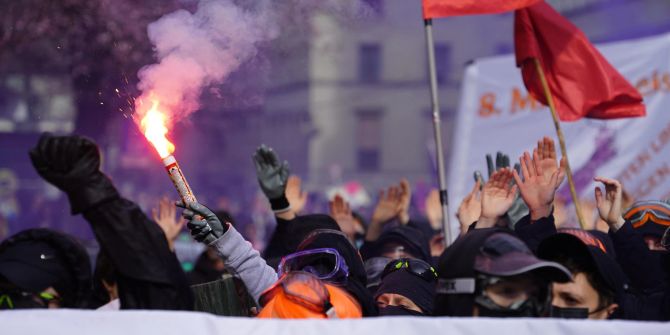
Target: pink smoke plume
{"points": [[196, 50]]}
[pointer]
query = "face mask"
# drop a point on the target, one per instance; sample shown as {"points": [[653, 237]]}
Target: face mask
{"points": [[569, 313], [487, 308], [398, 311]]}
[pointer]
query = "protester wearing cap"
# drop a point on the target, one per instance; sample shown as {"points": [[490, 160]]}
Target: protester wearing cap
{"points": [[490, 272], [407, 288], [42, 268], [598, 286]]}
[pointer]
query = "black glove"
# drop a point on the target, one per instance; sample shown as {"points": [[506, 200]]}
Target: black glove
{"points": [[205, 230], [72, 163], [272, 177]]}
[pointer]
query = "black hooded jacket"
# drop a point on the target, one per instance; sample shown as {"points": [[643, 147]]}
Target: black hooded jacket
{"points": [[149, 275]]}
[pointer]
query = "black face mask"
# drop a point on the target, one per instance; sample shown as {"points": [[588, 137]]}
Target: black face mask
{"points": [[487, 308], [569, 312], [398, 311]]}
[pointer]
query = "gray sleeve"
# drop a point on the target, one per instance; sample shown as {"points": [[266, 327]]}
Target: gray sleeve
{"points": [[239, 256]]}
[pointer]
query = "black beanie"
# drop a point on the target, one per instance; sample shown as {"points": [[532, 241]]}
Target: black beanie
{"points": [[411, 286]]}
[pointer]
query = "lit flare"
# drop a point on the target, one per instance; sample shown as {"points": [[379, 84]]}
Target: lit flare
{"points": [[154, 126]]}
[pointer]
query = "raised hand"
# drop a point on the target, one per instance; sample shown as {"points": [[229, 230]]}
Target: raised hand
{"points": [[470, 209], [388, 207], [433, 209], [537, 188], [405, 201], [72, 164], [272, 177], [165, 216], [204, 225], [341, 212], [295, 195], [546, 152], [609, 204], [497, 197]]}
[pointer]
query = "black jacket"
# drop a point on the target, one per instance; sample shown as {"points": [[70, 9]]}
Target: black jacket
{"points": [[149, 276]]}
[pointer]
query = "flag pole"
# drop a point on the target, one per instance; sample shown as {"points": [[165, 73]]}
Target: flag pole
{"points": [[444, 202], [561, 141]]}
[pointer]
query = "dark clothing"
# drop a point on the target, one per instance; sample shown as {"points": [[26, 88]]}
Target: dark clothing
{"points": [[289, 234], [412, 239], [149, 276], [535, 232], [642, 266]]}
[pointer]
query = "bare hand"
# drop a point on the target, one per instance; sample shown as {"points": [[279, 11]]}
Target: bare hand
{"points": [[538, 189], [388, 206], [433, 209], [295, 195], [470, 209], [497, 197], [609, 205], [546, 152], [341, 212], [166, 217], [405, 200], [437, 245]]}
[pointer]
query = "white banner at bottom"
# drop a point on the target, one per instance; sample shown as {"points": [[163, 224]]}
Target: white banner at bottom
{"points": [[73, 322]]}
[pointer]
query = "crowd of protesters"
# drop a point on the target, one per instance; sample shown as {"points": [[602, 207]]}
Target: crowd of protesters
{"points": [[512, 258]]}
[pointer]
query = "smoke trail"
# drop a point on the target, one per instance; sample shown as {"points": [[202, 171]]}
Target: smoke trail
{"points": [[195, 50]]}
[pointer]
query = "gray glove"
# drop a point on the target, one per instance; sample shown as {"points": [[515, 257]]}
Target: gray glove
{"points": [[272, 177], [204, 225], [519, 208]]}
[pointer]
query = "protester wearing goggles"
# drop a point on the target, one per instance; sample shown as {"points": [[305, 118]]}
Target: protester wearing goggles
{"points": [[647, 268], [239, 256], [301, 295], [407, 288], [651, 219], [490, 272]]}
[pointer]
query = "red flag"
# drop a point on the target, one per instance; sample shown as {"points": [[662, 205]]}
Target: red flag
{"points": [[582, 82], [441, 8]]}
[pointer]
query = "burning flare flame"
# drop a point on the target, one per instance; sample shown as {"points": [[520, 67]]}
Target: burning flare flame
{"points": [[154, 126]]}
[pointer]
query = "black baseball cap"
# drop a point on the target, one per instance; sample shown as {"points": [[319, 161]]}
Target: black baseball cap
{"points": [[505, 255], [588, 251]]}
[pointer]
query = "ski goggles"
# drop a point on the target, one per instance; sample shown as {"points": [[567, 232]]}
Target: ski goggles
{"points": [[325, 263], [304, 289], [15, 299], [416, 267], [644, 211]]}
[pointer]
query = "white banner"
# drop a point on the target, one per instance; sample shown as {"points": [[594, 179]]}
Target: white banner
{"points": [[73, 322], [497, 114]]}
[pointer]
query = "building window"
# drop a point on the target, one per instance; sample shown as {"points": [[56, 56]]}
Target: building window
{"points": [[442, 62], [369, 63], [368, 154]]}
